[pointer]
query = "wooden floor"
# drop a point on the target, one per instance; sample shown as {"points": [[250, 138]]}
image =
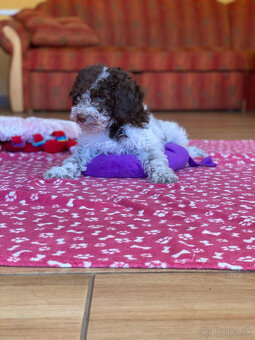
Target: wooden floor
{"points": [[112, 304]]}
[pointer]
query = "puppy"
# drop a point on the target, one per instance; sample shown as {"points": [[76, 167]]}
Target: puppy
{"points": [[108, 105]]}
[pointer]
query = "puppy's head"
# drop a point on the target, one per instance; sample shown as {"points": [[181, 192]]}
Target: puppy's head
{"points": [[107, 98]]}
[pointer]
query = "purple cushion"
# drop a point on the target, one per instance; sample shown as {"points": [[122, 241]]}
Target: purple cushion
{"points": [[129, 166]]}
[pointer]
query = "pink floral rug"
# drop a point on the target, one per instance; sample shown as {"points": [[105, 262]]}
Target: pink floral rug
{"points": [[206, 220]]}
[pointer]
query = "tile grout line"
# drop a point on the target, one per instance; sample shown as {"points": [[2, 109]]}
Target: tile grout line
{"points": [[150, 271], [188, 271], [85, 321]]}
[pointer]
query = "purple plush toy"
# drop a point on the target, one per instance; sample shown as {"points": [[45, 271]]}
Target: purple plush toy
{"points": [[120, 166]]}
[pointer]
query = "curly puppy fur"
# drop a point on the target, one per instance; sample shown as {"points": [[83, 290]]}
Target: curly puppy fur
{"points": [[108, 105]]}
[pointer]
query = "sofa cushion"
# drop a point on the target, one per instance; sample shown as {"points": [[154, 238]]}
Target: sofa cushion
{"points": [[144, 59], [47, 30], [25, 14], [150, 23]]}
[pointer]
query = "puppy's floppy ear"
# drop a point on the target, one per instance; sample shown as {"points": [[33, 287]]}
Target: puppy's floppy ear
{"points": [[75, 92], [80, 85], [128, 99]]}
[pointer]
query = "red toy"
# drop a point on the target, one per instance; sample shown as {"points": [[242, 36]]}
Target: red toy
{"points": [[58, 142]]}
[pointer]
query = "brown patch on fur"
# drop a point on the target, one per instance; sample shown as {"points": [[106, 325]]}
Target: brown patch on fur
{"points": [[85, 78]]}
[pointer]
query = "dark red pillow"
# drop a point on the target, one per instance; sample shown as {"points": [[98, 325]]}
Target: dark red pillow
{"points": [[57, 31], [25, 14]]}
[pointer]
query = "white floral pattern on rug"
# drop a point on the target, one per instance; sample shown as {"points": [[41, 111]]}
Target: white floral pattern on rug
{"points": [[206, 220]]}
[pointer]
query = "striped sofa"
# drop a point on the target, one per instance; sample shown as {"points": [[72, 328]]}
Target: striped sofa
{"points": [[186, 54]]}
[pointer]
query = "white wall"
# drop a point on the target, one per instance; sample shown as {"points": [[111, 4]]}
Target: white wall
{"points": [[4, 57]]}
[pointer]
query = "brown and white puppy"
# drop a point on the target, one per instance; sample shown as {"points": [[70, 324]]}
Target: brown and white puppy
{"points": [[108, 105]]}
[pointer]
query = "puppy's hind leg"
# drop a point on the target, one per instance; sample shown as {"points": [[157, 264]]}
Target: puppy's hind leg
{"points": [[196, 152], [178, 135], [174, 133]]}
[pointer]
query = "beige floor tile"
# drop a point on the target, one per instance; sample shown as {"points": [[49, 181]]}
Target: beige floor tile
{"points": [[173, 306], [49, 307]]}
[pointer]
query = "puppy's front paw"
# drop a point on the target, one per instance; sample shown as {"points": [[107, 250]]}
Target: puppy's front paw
{"points": [[57, 172], [167, 176]]}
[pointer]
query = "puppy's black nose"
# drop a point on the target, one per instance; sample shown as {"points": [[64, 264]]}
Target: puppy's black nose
{"points": [[81, 118]]}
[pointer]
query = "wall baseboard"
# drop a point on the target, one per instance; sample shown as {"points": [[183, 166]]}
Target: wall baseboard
{"points": [[4, 101]]}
